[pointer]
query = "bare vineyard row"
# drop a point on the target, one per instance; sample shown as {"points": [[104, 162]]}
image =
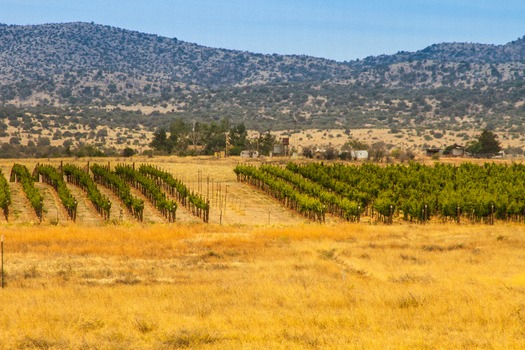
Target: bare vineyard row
{"points": [[158, 186], [414, 192]]}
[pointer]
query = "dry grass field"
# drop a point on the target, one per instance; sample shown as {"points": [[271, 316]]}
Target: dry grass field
{"points": [[231, 287], [259, 277]]}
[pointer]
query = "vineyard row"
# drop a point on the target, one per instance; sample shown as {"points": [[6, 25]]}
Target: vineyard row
{"points": [[155, 184]]}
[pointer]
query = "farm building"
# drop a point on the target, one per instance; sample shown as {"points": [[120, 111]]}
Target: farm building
{"points": [[249, 154], [359, 155], [319, 154], [454, 150], [278, 149], [457, 151], [282, 147], [432, 151]]}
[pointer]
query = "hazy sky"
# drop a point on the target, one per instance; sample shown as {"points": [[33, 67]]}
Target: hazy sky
{"points": [[336, 29]]}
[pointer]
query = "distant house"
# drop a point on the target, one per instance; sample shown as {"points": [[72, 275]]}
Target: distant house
{"points": [[281, 148], [454, 150], [499, 155], [249, 154], [278, 149], [457, 151], [432, 151], [359, 155], [319, 154]]}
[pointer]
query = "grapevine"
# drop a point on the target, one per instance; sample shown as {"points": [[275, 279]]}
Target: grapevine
{"points": [[150, 189], [413, 192], [19, 173], [55, 179], [176, 188], [336, 204], [307, 205], [81, 178], [5, 195], [117, 185]]}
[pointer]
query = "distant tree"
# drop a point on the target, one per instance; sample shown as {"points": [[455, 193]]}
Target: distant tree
{"points": [[102, 134], [406, 155], [67, 143], [485, 144], [238, 139], [112, 88], [266, 142], [308, 152], [160, 141], [128, 152], [331, 153], [215, 137], [57, 135], [179, 135], [43, 141], [514, 150], [378, 151], [354, 145], [84, 150]]}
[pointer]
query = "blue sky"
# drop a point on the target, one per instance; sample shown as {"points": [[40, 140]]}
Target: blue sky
{"points": [[335, 29]]}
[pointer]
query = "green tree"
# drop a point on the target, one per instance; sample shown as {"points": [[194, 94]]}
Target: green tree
{"points": [[486, 143], [308, 152], [238, 139], [266, 142], [128, 152], [160, 141], [179, 136], [215, 136]]}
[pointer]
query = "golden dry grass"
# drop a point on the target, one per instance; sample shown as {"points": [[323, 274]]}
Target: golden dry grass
{"points": [[314, 286]]}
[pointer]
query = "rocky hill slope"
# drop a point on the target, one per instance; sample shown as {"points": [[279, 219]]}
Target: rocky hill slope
{"points": [[85, 64], [76, 56]]}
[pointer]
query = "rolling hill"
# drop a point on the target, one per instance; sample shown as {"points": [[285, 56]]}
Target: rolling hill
{"points": [[445, 86]]}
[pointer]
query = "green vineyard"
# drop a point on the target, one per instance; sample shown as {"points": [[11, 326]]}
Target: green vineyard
{"points": [[156, 185], [413, 193]]}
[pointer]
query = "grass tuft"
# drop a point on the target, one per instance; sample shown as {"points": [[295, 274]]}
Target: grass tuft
{"points": [[188, 338], [30, 342], [327, 254], [144, 324], [409, 301]]}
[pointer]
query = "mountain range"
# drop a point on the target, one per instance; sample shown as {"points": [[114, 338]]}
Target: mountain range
{"points": [[448, 85]]}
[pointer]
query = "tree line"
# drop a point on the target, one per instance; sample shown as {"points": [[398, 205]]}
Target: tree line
{"points": [[200, 138]]}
